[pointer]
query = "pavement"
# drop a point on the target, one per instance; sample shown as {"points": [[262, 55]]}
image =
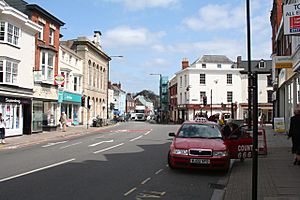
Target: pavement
{"points": [[37, 138], [278, 178]]}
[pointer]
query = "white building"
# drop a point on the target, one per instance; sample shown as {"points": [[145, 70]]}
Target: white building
{"points": [[17, 60], [70, 67], [212, 76]]}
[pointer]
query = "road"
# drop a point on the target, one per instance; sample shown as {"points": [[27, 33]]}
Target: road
{"points": [[128, 161]]}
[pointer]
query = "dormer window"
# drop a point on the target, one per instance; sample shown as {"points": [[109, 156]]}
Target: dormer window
{"points": [[219, 65], [262, 64], [203, 65]]}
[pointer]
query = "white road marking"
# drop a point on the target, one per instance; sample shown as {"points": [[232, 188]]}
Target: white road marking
{"points": [[93, 145], [70, 145], [36, 170], [158, 171], [148, 132], [136, 138], [130, 191], [54, 143], [145, 181], [106, 149]]}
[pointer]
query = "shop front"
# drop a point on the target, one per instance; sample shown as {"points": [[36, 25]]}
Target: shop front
{"points": [[17, 115], [71, 105]]}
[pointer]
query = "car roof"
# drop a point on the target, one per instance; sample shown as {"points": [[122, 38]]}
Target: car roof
{"points": [[200, 121]]}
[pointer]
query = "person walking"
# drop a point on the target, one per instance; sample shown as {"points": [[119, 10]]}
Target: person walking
{"points": [[2, 129], [295, 135], [63, 121]]}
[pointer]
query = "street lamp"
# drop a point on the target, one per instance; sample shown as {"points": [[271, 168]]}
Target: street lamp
{"points": [[160, 92], [110, 58]]}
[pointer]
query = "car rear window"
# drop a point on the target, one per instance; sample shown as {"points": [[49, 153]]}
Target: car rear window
{"points": [[199, 131]]}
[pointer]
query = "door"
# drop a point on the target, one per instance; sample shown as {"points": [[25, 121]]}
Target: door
{"points": [[27, 117], [240, 143]]}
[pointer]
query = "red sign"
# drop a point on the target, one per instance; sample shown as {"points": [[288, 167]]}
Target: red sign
{"points": [[295, 22], [59, 79]]}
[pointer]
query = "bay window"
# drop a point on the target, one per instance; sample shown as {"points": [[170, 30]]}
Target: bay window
{"points": [[9, 33], [8, 71], [47, 65]]}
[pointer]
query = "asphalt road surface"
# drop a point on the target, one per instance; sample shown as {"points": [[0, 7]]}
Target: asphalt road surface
{"points": [[128, 161]]}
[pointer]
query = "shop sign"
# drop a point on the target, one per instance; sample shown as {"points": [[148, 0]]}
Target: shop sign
{"points": [[281, 77], [67, 96], [280, 62], [291, 19], [60, 96], [279, 125], [15, 100], [59, 79]]}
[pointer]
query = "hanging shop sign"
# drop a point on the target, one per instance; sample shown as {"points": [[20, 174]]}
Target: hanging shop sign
{"points": [[281, 62], [291, 19], [59, 79]]}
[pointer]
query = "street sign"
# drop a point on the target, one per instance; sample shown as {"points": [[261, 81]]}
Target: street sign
{"points": [[59, 79]]}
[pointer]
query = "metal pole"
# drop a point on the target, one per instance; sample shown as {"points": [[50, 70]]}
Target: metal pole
{"points": [[255, 139], [211, 102], [160, 98], [249, 66]]}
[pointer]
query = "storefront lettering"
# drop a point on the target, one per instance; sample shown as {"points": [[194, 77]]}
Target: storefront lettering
{"points": [[244, 148], [7, 100]]}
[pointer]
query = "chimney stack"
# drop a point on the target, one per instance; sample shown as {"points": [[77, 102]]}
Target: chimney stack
{"points": [[185, 63], [97, 37], [239, 61]]}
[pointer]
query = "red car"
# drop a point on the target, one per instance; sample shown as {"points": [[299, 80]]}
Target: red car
{"points": [[201, 144]]}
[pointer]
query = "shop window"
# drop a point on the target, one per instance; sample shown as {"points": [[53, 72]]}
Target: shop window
{"points": [[50, 110]]}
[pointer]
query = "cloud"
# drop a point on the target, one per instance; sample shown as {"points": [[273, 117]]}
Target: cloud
{"points": [[157, 62], [142, 4], [217, 17], [127, 36]]}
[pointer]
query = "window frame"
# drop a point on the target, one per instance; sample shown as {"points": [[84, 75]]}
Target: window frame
{"points": [[44, 65], [11, 33], [229, 79], [51, 36], [229, 96], [13, 72], [202, 80]]}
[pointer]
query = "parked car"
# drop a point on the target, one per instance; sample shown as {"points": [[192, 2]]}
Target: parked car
{"points": [[201, 144]]}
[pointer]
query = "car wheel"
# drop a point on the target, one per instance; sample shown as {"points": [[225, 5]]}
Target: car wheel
{"points": [[169, 162]]}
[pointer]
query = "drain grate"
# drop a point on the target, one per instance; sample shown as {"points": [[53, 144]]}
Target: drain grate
{"points": [[216, 186]]}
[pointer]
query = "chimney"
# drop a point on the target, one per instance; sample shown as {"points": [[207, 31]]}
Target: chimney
{"points": [[119, 85], [239, 61], [97, 35], [185, 63]]}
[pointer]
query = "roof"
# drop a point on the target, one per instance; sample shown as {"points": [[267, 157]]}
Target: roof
{"points": [[214, 59], [26, 8], [115, 88]]}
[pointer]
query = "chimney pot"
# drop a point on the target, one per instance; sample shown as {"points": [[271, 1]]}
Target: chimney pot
{"points": [[185, 63]]}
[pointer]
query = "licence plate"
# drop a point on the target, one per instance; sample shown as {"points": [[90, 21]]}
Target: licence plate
{"points": [[199, 161]]}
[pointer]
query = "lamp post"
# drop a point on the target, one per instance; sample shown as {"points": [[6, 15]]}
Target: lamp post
{"points": [[160, 92], [108, 67]]}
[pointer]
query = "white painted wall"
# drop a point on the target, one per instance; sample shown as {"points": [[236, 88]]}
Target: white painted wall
{"points": [[25, 51]]}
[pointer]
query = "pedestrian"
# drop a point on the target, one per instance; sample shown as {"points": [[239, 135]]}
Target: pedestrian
{"points": [[295, 135], [63, 121], [2, 129], [261, 119]]}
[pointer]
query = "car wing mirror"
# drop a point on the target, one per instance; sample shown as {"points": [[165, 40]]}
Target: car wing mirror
{"points": [[172, 134]]}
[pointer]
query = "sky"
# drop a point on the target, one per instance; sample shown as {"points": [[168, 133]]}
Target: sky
{"points": [[153, 36]]}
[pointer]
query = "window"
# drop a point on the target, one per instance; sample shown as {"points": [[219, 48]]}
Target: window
{"points": [[202, 78], [63, 55], [229, 97], [269, 81], [51, 36], [203, 65], [41, 33], [70, 59], [185, 97], [47, 65], [185, 80], [8, 71], [76, 83], [180, 98], [270, 93], [180, 81], [202, 94], [219, 65], [261, 64], [229, 78], [9, 33]]}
